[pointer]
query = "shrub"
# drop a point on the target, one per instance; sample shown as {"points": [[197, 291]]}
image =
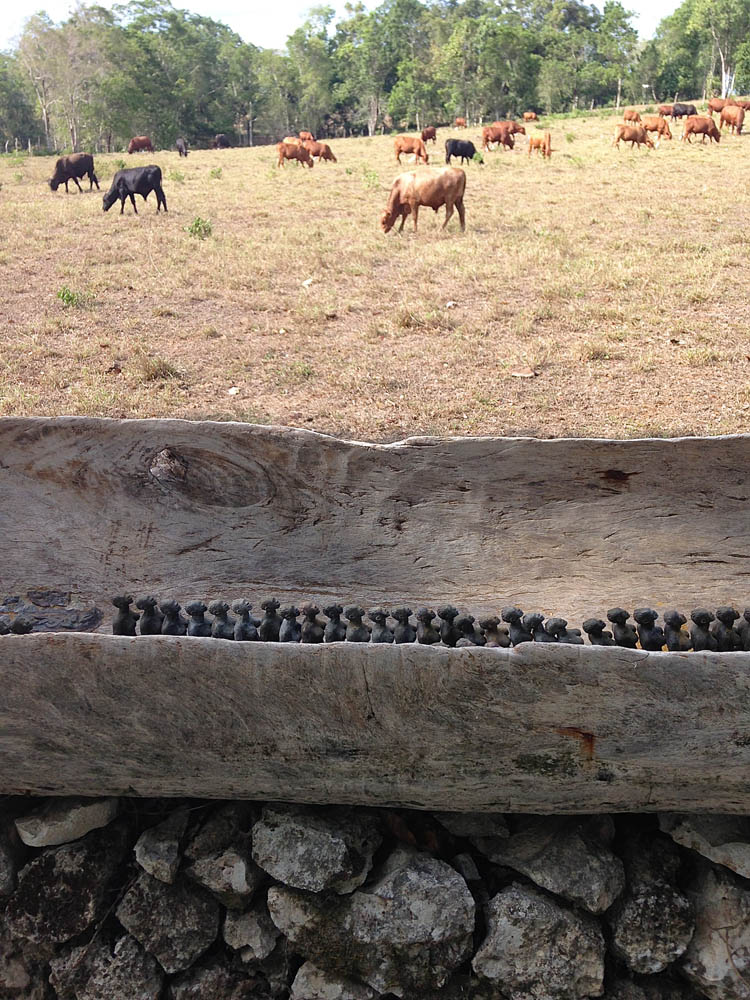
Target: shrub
{"points": [[215, 172], [71, 299], [199, 228], [177, 177]]}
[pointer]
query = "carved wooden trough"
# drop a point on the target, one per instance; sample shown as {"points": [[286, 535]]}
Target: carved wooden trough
{"points": [[90, 508]]}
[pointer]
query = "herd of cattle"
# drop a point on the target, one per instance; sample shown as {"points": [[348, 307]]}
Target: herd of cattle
{"points": [[636, 128]]}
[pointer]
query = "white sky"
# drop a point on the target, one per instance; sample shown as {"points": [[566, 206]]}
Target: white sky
{"points": [[267, 26]]}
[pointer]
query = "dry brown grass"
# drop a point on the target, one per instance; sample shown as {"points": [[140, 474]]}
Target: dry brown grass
{"points": [[619, 277]]}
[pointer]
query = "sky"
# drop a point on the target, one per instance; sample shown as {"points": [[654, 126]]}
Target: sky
{"points": [[266, 26]]}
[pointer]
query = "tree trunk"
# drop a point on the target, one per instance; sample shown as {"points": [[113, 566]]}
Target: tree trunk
{"points": [[619, 91]]}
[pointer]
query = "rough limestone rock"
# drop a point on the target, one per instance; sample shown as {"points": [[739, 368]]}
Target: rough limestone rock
{"points": [[567, 857], [215, 981], [176, 923], [230, 876], [96, 972], [157, 850], [62, 820], [316, 850], [723, 839], [312, 983], [652, 922], [252, 933], [537, 950], [226, 827], [717, 960], [11, 856], [64, 889], [22, 976], [403, 933]]}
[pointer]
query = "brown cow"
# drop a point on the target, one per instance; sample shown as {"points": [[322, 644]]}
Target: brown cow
{"points": [[70, 168], [292, 140], [743, 104], [410, 144], [432, 188], [429, 133], [530, 116], [140, 144], [702, 126], [287, 151], [719, 103], [320, 149], [500, 134], [634, 134], [631, 115], [460, 123], [221, 141], [733, 116], [665, 110], [542, 144], [654, 123], [307, 136], [512, 126]]}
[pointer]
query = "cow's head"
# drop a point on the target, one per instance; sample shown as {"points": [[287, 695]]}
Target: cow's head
{"points": [[109, 199], [54, 183]]}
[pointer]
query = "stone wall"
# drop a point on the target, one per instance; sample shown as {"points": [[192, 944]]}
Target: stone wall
{"points": [[164, 899]]}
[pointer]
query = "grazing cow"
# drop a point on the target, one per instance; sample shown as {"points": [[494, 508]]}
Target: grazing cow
{"points": [[682, 110], [497, 134], [320, 149], [543, 144], [221, 141], [632, 116], [702, 126], [719, 103], [636, 135], [460, 123], [132, 181], [431, 188], [665, 110], [429, 133], [288, 151], [655, 123], [511, 126], [182, 147], [463, 148], [745, 105], [410, 144], [733, 116], [140, 144], [307, 136], [70, 168], [530, 116]]}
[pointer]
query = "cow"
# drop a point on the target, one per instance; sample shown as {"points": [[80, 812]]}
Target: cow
{"points": [[182, 147], [288, 151], [429, 133], [511, 126], [636, 135], [530, 116], [460, 123], [432, 188], [460, 147], [683, 110], [221, 141], [719, 103], [745, 105], [732, 116], [700, 125], [632, 116], [292, 140], [140, 144], [665, 110], [320, 149], [70, 168], [132, 181], [655, 123], [497, 134], [542, 144], [410, 144], [307, 136]]}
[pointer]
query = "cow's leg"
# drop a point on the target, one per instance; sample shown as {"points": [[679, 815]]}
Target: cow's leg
{"points": [[415, 213], [461, 213], [66, 186], [163, 198], [78, 184], [404, 213], [448, 212], [132, 199]]}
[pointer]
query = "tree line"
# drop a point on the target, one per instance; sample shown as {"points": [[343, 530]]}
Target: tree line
{"points": [[146, 67]]}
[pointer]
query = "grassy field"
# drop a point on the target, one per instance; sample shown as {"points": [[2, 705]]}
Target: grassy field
{"points": [[618, 278]]}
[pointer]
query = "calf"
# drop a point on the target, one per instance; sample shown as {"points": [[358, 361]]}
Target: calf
{"points": [[665, 110], [70, 168], [320, 149], [182, 147], [733, 116], [542, 144], [632, 116], [140, 144], [636, 135], [718, 104], [463, 148], [655, 123], [429, 133], [287, 151], [683, 110], [410, 144], [702, 126], [135, 180], [460, 123], [431, 188], [221, 141], [530, 116]]}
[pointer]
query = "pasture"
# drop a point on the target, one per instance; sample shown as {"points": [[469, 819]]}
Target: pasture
{"points": [[604, 293]]}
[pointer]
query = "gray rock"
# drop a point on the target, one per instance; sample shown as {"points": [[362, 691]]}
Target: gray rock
{"points": [[723, 839], [466, 867], [312, 983], [176, 923], [538, 950], [316, 849], [225, 827], [215, 981], [403, 933], [61, 821], [566, 856], [157, 850], [95, 972], [624, 989], [22, 975], [717, 959], [252, 933], [11, 856], [230, 876]]}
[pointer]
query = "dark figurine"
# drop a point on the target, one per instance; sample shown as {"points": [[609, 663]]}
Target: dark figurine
{"points": [[533, 622], [125, 619], [427, 634], [551, 630], [4, 627], [495, 635], [198, 627], [22, 626], [356, 631], [595, 630], [291, 630], [743, 630], [174, 623], [312, 629], [270, 625], [335, 630], [222, 627], [152, 619], [449, 634], [723, 630], [571, 636], [699, 633], [517, 631], [244, 627], [380, 631], [676, 638], [467, 635], [624, 634], [404, 630], [650, 635]]}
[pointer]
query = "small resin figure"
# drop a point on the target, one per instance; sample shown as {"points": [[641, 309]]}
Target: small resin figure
{"points": [[4, 627], [270, 625], [427, 634], [312, 629], [152, 619], [449, 634], [174, 623], [676, 638], [533, 622], [743, 630], [467, 633], [624, 633], [22, 626], [723, 629], [356, 631], [404, 630], [198, 627], [291, 630], [495, 635], [650, 635], [551, 630], [335, 630], [571, 636], [125, 619], [380, 630], [699, 633], [244, 627], [516, 630], [595, 630], [221, 627]]}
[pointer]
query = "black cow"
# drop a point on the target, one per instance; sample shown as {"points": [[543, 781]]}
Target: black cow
{"points": [[135, 180], [460, 147], [680, 110], [182, 147], [221, 141], [70, 168]]}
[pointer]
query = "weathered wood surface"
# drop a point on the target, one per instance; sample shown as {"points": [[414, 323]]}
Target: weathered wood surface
{"points": [[569, 527], [539, 728]]}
